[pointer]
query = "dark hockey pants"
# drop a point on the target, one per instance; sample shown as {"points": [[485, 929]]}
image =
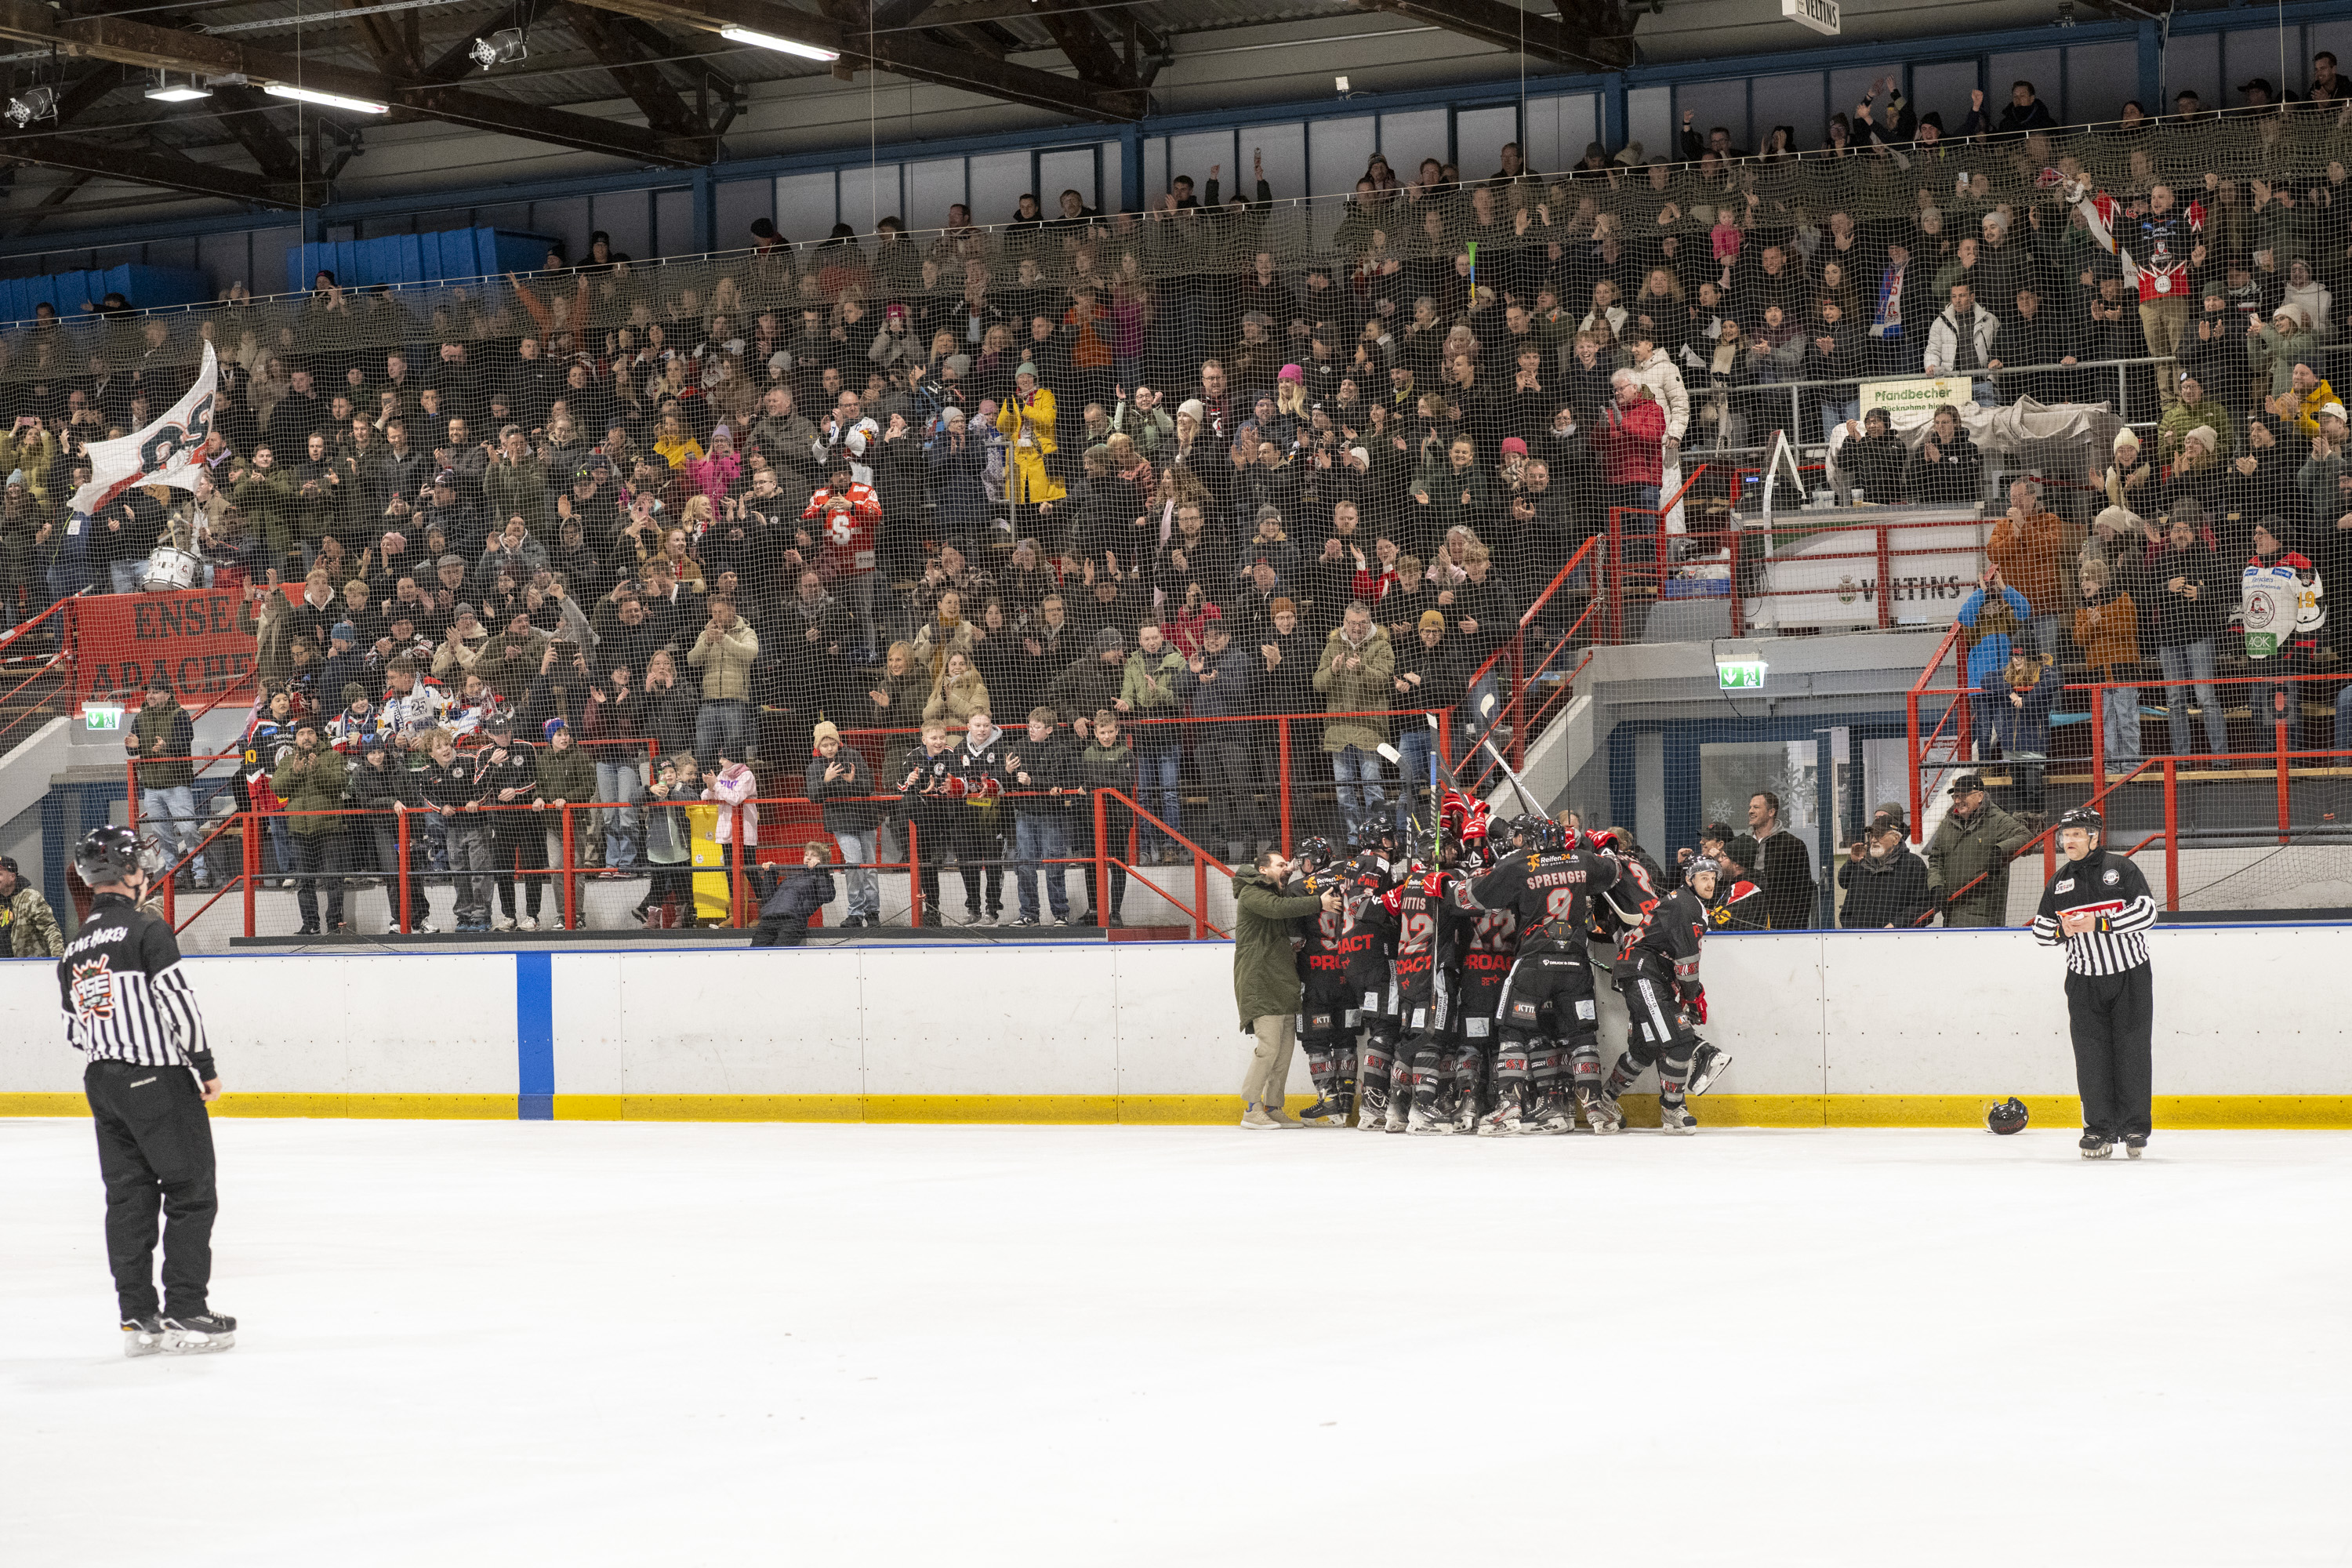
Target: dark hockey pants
{"points": [[2113, 1019], [1550, 1023], [155, 1153], [1654, 1034]]}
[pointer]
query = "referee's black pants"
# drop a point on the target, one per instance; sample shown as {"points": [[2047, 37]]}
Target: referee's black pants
{"points": [[155, 1151], [2113, 1018]]}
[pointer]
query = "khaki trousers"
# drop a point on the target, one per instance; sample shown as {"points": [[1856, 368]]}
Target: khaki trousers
{"points": [[1266, 1081], [2165, 322]]}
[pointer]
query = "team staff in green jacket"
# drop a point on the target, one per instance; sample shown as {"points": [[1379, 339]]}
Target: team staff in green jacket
{"points": [[1265, 982]]}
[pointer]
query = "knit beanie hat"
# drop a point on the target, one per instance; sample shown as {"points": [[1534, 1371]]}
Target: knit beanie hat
{"points": [[826, 730]]}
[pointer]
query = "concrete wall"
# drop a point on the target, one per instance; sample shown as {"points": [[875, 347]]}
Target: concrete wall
{"points": [[1825, 1029]]}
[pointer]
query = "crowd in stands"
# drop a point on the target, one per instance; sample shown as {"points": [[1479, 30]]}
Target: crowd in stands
{"points": [[1025, 495]]}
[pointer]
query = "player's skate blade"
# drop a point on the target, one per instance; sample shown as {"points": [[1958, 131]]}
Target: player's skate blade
{"points": [[2134, 1145], [2094, 1147], [1676, 1118], [1329, 1112], [143, 1336], [202, 1335], [1604, 1115]]}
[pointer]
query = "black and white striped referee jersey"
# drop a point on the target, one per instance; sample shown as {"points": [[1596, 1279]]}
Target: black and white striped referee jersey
{"points": [[2112, 888], [125, 994]]}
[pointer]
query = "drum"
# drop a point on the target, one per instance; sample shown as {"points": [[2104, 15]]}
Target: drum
{"points": [[169, 568]]}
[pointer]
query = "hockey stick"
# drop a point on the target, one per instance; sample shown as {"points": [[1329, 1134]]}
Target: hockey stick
{"points": [[1486, 711]]}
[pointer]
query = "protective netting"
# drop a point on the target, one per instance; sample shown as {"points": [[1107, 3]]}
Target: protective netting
{"points": [[1339, 455], [2267, 180]]}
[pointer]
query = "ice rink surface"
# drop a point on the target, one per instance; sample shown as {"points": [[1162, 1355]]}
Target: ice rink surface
{"points": [[581, 1343]]}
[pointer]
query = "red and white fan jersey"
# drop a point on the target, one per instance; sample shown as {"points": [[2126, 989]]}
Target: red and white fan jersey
{"points": [[2158, 263], [848, 536]]}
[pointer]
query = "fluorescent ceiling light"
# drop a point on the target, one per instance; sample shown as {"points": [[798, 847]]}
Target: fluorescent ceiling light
{"points": [[781, 46], [324, 100]]}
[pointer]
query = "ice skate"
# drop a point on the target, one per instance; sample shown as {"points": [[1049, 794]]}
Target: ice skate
{"points": [[1675, 1118], [199, 1333], [1330, 1111], [1430, 1116], [143, 1336], [1505, 1118], [2094, 1147], [1706, 1067], [1400, 1098], [1429, 1124], [1554, 1116], [1603, 1114], [2134, 1145]]}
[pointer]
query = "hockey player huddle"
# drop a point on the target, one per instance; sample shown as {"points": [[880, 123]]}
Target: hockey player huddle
{"points": [[1460, 998]]}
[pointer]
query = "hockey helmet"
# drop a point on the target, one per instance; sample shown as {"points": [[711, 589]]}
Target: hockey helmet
{"points": [[1699, 866], [112, 852], [2010, 1116], [1316, 853], [1548, 836], [2083, 817]]}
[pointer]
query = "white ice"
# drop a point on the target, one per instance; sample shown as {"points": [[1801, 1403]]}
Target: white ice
{"points": [[589, 1343]]}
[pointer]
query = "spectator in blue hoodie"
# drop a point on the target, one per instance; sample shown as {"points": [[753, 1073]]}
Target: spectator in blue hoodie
{"points": [[1992, 617]]}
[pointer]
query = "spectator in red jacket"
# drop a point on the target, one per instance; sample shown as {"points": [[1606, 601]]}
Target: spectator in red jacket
{"points": [[1628, 438]]}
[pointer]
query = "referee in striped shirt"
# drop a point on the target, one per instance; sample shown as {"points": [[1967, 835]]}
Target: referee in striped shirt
{"points": [[129, 1007], [2097, 905]]}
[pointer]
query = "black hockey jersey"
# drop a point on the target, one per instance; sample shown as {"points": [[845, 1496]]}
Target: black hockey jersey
{"points": [[1428, 909], [927, 777], [1669, 939], [1738, 906], [451, 788], [510, 766], [1550, 895], [982, 768]]}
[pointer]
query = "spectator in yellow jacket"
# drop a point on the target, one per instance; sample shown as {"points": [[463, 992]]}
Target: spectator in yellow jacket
{"points": [[1026, 422]]}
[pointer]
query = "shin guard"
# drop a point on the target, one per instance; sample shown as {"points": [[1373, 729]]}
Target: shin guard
{"points": [[1372, 1096]]}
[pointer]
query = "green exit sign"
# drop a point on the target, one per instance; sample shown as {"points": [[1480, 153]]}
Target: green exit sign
{"points": [[102, 716], [1740, 674]]}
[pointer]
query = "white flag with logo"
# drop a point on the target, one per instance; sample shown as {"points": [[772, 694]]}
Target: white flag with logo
{"points": [[167, 452]]}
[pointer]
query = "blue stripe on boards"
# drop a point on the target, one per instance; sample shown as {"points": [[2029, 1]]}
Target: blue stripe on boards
{"points": [[534, 1036]]}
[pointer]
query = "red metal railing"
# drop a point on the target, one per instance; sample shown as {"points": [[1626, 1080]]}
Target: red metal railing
{"points": [[1919, 747], [785, 815], [1287, 727], [49, 666], [2279, 761]]}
